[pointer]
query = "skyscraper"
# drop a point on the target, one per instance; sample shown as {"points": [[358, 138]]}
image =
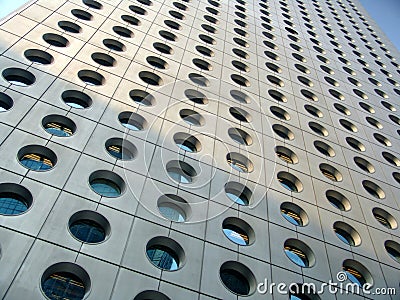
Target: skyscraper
{"points": [[198, 150]]}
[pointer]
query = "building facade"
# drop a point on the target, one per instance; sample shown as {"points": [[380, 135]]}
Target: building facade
{"points": [[206, 149]]}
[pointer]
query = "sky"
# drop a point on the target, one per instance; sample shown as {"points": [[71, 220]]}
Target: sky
{"points": [[385, 12], [8, 6]]}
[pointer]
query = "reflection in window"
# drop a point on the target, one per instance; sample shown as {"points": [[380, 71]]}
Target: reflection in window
{"points": [[63, 285], [236, 234], [12, 204], [235, 281], [58, 129], [354, 276], [115, 151], [292, 217], [287, 184], [105, 187], [172, 212], [36, 162], [163, 257], [180, 175], [88, 231], [241, 199], [297, 256]]}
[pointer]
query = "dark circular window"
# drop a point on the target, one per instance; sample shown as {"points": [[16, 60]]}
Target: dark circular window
{"points": [[355, 144], [302, 68], [6, 102], [396, 176], [18, 76], [59, 125], [181, 171], [69, 26], [207, 39], [91, 77], [347, 234], [145, 2], [318, 129], [384, 218], [82, 14], [114, 45], [309, 95], [39, 56], [272, 55], [121, 149], [290, 182], [238, 231], [237, 278], [241, 53], [174, 208], [146, 295], [142, 97], [393, 249], [76, 99], [205, 51], [165, 253], [364, 165], [382, 139], [348, 125], [89, 226], [240, 80], [65, 281], [14, 199], [356, 272], [37, 158], [242, 66], [173, 24], [106, 183], [240, 136], [122, 31], [55, 40], [103, 59], [239, 162], [240, 114], [343, 109], [150, 78], [196, 96], [338, 200], [238, 193], [330, 172], [314, 111], [177, 15], [163, 48], [240, 96], [286, 155], [324, 148], [299, 253], [131, 20], [93, 4], [132, 121], [280, 113], [283, 132], [211, 19], [294, 214], [202, 64], [373, 189], [138, 10], [187, 142], [192, 117]]}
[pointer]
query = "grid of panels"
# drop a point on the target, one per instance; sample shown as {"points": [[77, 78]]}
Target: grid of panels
{"points": [[308, 90]]}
